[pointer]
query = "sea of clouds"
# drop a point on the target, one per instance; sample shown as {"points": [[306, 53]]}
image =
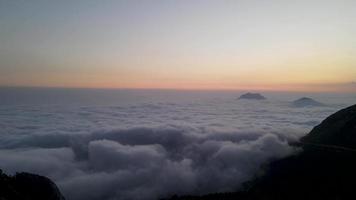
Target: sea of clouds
{"points": [[152, 148]]}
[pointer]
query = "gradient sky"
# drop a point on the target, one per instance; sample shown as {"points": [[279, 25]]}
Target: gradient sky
{"points": [[262, 45]]}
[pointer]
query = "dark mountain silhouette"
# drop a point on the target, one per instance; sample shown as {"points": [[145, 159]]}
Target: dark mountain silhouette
{"points": [[305, 101], [338, 129], [25, 186], [254, 96], [324, 169]]}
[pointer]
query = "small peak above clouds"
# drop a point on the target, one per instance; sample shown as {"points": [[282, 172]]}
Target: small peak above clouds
{"points": [[252, 96], [306, 102]]}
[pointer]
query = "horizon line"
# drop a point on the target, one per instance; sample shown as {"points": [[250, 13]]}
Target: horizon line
{"points": [[172, 89]]}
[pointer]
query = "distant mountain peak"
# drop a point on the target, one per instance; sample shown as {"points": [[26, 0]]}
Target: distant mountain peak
{"points": [[252, 96], [306, 101]]}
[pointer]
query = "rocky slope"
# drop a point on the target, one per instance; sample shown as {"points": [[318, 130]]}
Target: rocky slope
{"points": [[25, 186], [338, 129]]}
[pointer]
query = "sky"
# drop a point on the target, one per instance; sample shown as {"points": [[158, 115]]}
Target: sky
{"points": [[256, 45]]}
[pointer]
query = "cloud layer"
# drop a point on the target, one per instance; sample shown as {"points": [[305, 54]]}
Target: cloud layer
{"points": [[151, 150]]}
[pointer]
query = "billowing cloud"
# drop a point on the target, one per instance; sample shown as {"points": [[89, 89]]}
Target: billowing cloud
{"points": [[109, 155], [144, 163]]}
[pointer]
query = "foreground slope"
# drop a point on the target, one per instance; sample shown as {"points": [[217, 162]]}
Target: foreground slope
{"points": [[338, 129], [25, 186]]}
